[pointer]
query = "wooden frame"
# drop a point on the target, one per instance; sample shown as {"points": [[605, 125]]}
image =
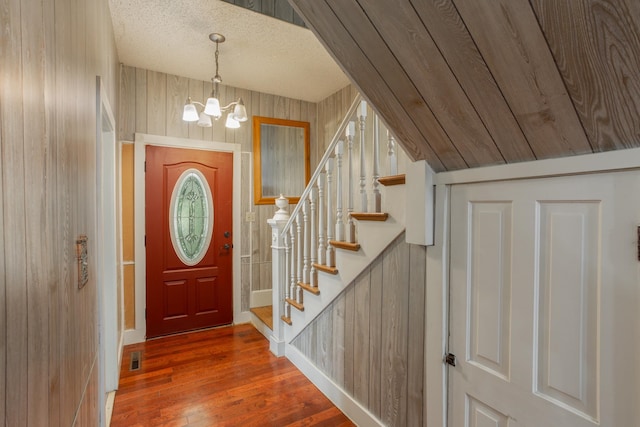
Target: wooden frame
{"points": [[279, 176]]}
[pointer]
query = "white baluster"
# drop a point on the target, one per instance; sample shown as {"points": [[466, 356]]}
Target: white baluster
{"points": [[362, 118], [330, 259], [321, 219], [294, 263], [313, 278], [339, 219], [287, 275], [351, 228], [299, 261], [305, 230], [377, 200], [391, 154]]}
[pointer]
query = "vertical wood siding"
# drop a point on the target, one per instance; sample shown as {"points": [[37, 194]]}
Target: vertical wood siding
{"points": [[370, 340], [51, 53]]}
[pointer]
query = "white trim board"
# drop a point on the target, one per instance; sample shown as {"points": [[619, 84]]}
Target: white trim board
{"points": [[586, 163], [141, 140]]}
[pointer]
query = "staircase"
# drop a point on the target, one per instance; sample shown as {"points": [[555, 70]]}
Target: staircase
{"points": [[346, 217]]}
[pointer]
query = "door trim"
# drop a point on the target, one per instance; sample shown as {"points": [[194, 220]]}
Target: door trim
{"points": [[438, 264], [141, 141]]}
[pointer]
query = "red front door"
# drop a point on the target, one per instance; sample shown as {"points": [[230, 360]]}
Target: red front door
{"points": [[188, 239]]}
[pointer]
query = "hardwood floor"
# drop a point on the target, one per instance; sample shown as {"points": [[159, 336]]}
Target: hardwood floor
{"points": [[219, 377]]}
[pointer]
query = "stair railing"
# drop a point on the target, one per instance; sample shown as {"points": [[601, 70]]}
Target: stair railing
{"points": [[319, 216]]}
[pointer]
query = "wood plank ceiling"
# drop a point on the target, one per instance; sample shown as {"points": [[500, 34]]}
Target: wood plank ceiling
{"points": [[468, 83]]}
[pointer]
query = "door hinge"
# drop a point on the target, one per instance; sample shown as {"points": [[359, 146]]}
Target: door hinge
{"points": [[638, 243], [145, 240], [450, 359], [145, 313], [145, 166]]}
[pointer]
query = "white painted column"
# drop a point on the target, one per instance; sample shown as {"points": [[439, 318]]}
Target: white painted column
{"points": [[330, 259], [322, 230], [377, 199], [339, 185], [351, 228], [313, 277], [391, 154], [278, 274], [362, 120]]}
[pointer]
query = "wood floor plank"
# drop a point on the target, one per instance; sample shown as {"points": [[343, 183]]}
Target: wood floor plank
{"points": [[222, 377]]}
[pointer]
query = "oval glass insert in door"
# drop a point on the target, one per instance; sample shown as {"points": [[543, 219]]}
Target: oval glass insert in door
{"points": [[191, 217]]}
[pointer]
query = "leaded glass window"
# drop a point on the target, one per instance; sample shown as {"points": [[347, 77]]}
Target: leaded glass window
{"points": [[191, 217]]}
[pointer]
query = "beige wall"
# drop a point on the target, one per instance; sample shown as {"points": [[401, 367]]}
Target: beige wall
{"points": [[51, 53]]}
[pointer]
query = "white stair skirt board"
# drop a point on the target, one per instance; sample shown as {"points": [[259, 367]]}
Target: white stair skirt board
{"points": [[260, 298], [347, 404], [373, 237]]}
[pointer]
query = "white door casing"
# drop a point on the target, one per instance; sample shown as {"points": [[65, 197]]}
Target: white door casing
{"points": [[544, 299]]}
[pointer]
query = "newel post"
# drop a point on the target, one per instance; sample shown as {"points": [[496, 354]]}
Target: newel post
{"points": [[279, 278]]}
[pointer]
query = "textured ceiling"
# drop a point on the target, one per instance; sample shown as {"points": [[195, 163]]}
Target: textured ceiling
{"points": [[261, 53]]}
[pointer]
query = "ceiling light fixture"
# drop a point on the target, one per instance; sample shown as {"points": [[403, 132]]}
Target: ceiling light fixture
{"points": [[237, 111]]}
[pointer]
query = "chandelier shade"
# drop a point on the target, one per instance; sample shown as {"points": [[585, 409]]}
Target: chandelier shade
{"points": [[237, 112]]}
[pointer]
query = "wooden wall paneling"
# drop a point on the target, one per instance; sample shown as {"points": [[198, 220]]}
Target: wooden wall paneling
{"points": [[360, 337], [265, 275], [414, 49], [3, 242], [367, 40], [359, 69], [197, 93], [243, 134], [416, 334], [598, 54], [141, 101], [35, 219], [207, 133], [177, 92], [348, 338], [375, 338], [156, 103], [245, 283], [461, 54], [511, 42], [255, 276], [52, 192], [16, 344], [327, 344], [394, 333], [245, 203], [127, 104]]}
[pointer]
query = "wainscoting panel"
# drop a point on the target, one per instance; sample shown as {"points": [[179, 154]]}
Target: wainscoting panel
{"points": [[370, 339]]}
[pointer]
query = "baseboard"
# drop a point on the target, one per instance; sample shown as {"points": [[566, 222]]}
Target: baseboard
{"points": [[347, 404], [242, 317], [133, 336], [260, 298], [111, 397]]}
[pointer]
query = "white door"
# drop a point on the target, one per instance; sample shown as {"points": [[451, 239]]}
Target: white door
{"points": [[545, 302]]}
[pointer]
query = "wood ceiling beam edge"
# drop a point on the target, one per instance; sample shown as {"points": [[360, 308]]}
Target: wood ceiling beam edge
{"points": [[379, 55], [410, 43], [408, 134]]}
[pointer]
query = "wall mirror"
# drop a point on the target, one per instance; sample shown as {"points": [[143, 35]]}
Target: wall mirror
{"points": [[280, 159]]}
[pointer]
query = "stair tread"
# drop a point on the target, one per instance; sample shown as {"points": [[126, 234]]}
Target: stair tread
{"points": [[286, 320], [307, 287], [265, 314], [392, 180], [326, 268], [370, 216], [295, 304], [345, 245]]}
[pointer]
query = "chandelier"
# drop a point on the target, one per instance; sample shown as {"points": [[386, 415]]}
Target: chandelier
{"points": [[236, 111]]}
